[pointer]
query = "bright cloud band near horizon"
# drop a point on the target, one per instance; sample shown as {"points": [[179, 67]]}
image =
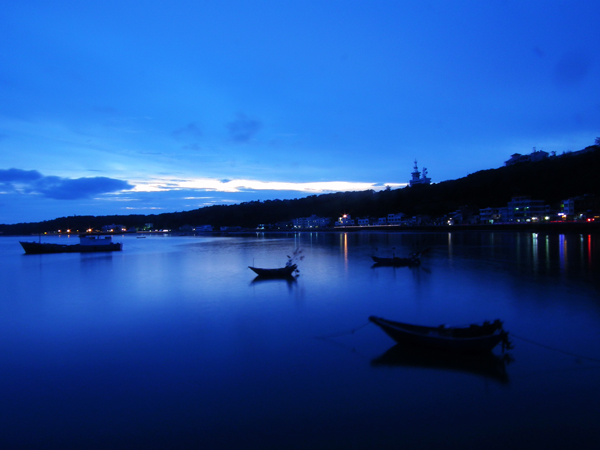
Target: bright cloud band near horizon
{"points": [[208, 184]]}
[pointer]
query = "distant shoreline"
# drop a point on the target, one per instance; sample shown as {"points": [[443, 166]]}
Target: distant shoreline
{"points": [[544, 227]]}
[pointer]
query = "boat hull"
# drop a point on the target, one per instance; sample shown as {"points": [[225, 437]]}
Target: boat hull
{"points": [[473, 339], [283, 272], [36, 248]]}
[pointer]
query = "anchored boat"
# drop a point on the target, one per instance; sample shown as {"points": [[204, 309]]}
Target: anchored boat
{"points": [[87, 243], [472, 339], [282, 272]]}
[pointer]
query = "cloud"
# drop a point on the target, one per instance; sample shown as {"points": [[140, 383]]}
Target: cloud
{"points": [[190, 130], [33, 182], [572, 68], [19, 176], [243, 128]]}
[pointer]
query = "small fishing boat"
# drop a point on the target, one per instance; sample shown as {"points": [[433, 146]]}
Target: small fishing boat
{"points": [[286, 271], [87, 243], [471, 339], [282, 272]]}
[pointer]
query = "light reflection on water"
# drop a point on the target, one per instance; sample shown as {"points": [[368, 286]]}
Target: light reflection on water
{"points": [[173, 343]]}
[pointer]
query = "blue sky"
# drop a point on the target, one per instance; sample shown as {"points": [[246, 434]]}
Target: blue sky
{"points": [[131, 107]]}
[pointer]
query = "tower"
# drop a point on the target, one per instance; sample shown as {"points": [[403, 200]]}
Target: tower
{"points": [[417, 179]]}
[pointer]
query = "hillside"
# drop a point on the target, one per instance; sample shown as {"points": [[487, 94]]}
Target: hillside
{"points": [[552, 180]]}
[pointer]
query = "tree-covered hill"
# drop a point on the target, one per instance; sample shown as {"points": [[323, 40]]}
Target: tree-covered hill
{"points": [[552, 180]]}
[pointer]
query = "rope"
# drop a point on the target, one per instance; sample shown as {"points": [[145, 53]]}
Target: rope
{"points": [[343, 333], [555, 349]]}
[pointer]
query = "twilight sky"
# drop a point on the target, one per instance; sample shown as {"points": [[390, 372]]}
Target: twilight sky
{"points": [[142, 107]]}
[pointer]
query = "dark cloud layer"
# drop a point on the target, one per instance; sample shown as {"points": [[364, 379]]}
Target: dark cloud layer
{"points": [[243, 128], [19, 176], [33, 182]]}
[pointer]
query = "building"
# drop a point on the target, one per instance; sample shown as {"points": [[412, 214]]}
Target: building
{"points": [[417, 178], [524, 209], [395, 219], [536, 155], [582, 207], [363, 222], [113, 228], [311, 222], [490, 215], [345, 221]]}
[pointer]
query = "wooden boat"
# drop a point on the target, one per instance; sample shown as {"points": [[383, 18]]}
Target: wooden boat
{"points": [[396, 261], [472, 339], [282, 272], [87, 243]]}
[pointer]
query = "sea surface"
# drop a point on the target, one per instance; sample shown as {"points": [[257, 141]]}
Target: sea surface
{"points": [[173, 344]]}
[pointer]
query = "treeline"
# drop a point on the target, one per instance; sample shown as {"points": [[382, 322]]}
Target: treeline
{"points": [[552, 180]]}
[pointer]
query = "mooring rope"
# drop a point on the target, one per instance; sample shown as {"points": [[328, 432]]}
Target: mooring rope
{"points": [[343, 333], [555, 349]]}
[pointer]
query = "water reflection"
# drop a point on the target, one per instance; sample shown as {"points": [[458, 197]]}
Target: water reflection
{"points": [[489, 365], [290, 281]]}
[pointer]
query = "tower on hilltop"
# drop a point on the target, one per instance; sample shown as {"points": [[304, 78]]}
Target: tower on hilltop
{"points": [[417, 178]]}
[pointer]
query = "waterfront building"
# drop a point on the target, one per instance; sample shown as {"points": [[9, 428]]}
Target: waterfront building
{"points": [[345, 221], [395, 219], [524, 209], [311, 222], [113, 228], [363, 222], [490, 215]]}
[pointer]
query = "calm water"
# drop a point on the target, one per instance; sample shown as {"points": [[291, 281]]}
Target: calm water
{"points": [[171, 344]]}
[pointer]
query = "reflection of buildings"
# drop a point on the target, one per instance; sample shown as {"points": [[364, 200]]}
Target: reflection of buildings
{"points": [[417, 178]]}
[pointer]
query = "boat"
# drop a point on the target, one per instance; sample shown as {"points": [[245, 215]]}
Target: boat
{"points": [[396, 261], [471, 339], [282, 272], [286, 271], [87, 243]]}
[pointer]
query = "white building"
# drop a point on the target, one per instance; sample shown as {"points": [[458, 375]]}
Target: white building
{"points": [[345, 221], [311, 222], [363, 222], [395, 219]]}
